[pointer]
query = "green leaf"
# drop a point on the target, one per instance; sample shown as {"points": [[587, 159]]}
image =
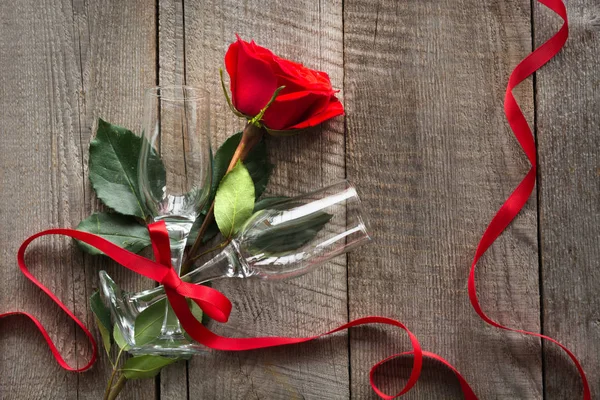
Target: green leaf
{"points": [[196, 311], [205, 318], [102, 317], [287, 236], [267, 202], [105, 334], [149, 322], [119, 339], [146, 366], [122, 230], [113, 165], [234, 201], [256, 162], [258, 166]]}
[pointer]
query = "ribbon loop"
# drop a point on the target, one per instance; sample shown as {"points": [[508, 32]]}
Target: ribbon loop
{"points": [[214, 303]]}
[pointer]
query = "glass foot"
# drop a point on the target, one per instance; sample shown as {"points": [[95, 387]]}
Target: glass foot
{"points": [[123, 316], [170, 346], [125, 308]]}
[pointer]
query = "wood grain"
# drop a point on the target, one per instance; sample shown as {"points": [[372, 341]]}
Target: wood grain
{"points": [[309, 32], [427, 146], [171, 42], [569, 193], [432, 155], [171, 71], [117, 60], [39, 189]]}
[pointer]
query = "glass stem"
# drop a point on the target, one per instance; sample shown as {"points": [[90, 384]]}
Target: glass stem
{"points": [[223, 265], [171, 326]]}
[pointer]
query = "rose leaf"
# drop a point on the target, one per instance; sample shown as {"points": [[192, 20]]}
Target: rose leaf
{"points": [[113, 165], [234, 201], [102, 317], [122, 230]]}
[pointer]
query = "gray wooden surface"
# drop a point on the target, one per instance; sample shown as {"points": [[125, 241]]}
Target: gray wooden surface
{"points": [[424, 140], [568, 131], [428, 146]]}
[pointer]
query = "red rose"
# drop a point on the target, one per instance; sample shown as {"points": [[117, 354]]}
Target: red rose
{"points": [[255, 73]]}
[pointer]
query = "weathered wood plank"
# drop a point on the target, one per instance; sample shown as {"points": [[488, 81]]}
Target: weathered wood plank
{"points": [[433, 157], [310, 32], [569, 169], [117, 42], [171, 41], [171, 71], [41, 187]]}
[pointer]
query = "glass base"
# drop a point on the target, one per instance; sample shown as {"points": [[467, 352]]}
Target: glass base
{"points": [[170, 346], [124, 312]]}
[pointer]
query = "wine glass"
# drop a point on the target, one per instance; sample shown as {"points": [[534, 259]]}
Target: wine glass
{"points": [[174, 174], [283, 240]]}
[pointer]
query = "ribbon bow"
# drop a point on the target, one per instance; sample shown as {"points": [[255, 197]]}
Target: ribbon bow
{"points": [[214, 303]]}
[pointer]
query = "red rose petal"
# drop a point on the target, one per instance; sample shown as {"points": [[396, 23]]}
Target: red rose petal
{"points": [[253, 81], [292, 108], [307, 100], [333, 109], [297, 77], [231, 63]]}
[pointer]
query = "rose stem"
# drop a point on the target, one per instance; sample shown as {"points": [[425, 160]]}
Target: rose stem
{"points": [[117, 388], [112, 376], [250, 137]]}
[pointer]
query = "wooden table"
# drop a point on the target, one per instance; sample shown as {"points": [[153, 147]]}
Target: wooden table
{"points": [[424, 139]]}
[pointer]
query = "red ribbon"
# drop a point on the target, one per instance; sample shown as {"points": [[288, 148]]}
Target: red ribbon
{"points": [[515, 202], [218, 306], [213, 302]]}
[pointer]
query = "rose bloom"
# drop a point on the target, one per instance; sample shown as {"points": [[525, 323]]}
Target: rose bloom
{"points": [[255, 73]]}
